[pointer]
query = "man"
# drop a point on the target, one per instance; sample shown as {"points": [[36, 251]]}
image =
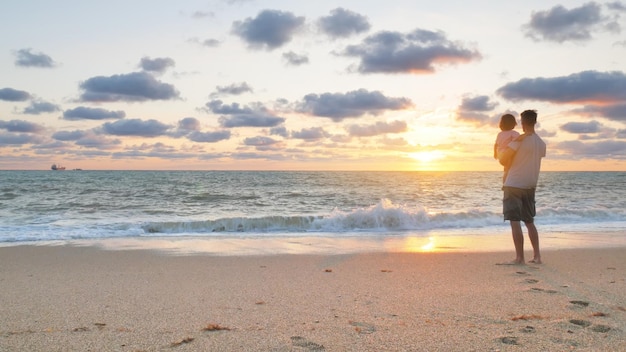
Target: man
{"points": [[524, 157]]}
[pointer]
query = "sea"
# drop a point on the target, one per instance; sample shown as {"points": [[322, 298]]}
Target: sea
{"points": [[268, 212]]}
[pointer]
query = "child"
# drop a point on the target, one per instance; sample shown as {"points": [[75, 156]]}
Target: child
{"points": [[506, 136]]}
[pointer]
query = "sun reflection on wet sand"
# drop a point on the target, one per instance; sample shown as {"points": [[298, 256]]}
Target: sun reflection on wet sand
{"points": [[328, 245]]}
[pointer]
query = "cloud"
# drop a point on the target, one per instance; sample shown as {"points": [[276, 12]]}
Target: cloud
{"points": [[616, 112], [86, 113], [158, 65], [136, 86], [238, 116], [477, 103], [136, 127], [419, 51], [294, 59], [69, 135], [473, 110], [261, 142], [208, 137], [10, 94], [338, 106], [211, 43], [377, 129], [583, 87], [279, 131], [313, 133], [21, 126], [189, 124], [100, 142], [271, 29], [39, 107], [560, 24], [343, 23], [202, 14], [233, 89], [598, 150], [582, 127], [19, 139], [26, 58]]}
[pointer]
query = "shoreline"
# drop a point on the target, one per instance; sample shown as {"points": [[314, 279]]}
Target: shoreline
{"points": [[326, 244], [65, 297]]}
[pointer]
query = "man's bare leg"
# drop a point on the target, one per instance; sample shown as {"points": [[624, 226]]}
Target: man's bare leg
{"points": [[518, 241], [533, 234]]}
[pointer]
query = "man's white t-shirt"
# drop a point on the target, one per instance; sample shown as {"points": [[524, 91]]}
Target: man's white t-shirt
{"points": [[524, 171]]}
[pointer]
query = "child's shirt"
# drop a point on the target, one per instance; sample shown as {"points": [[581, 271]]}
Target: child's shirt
{"points": [[504, 138]]}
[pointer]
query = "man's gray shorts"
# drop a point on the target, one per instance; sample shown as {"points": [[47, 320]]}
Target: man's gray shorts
{"points": [[518, 204]]}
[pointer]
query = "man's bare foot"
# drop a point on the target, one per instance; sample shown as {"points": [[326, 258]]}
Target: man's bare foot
{"points": [[536, 261], [512, 262]]}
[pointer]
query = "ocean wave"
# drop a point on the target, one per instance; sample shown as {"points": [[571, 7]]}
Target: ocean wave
{"points": [[384, 216]]}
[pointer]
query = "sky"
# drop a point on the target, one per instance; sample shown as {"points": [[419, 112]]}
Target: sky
{"points": [[321, 85]]}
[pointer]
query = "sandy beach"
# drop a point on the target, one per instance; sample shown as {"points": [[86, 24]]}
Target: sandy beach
{"points": [[67, 298]]}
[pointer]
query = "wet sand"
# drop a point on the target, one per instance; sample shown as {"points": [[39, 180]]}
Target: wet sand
{"points": [[65, 298]]}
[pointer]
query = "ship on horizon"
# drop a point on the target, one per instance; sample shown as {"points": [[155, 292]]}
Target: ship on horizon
{"points": [[57, 167]]}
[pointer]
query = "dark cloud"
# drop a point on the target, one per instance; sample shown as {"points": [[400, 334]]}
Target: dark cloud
{"points": [[26, 58], [69, 135], [343, 23], [209, 137], [86, 113], [136, 127], [261, 142], [478, 103], [136, 86], [158, 65], [560, 24], [10, 94], [271, 29], [233, 89], [583, 87], [313, 133], [419, 51], [377, 129], [21, 126], [582, 127], [616, 112], [189, 124], [338, 106], [237, 116], [250, 121], [40, 107], [473, 110], [294, 59], [616, 5], [279, 131], [19, 139], [597, 150]]}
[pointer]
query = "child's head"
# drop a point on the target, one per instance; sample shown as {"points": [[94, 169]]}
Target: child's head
{"points": [[507, 122]]}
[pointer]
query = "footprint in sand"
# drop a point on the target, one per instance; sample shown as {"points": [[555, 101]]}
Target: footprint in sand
{"points": [[536, 289], [300, 341], [580, 322], [531, 281], [600, 328], [579, 303], [509, 340], [363, 328]]}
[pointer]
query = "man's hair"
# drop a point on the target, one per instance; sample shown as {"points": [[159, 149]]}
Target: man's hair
{"points": [[529, 117], [507, 122]]}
